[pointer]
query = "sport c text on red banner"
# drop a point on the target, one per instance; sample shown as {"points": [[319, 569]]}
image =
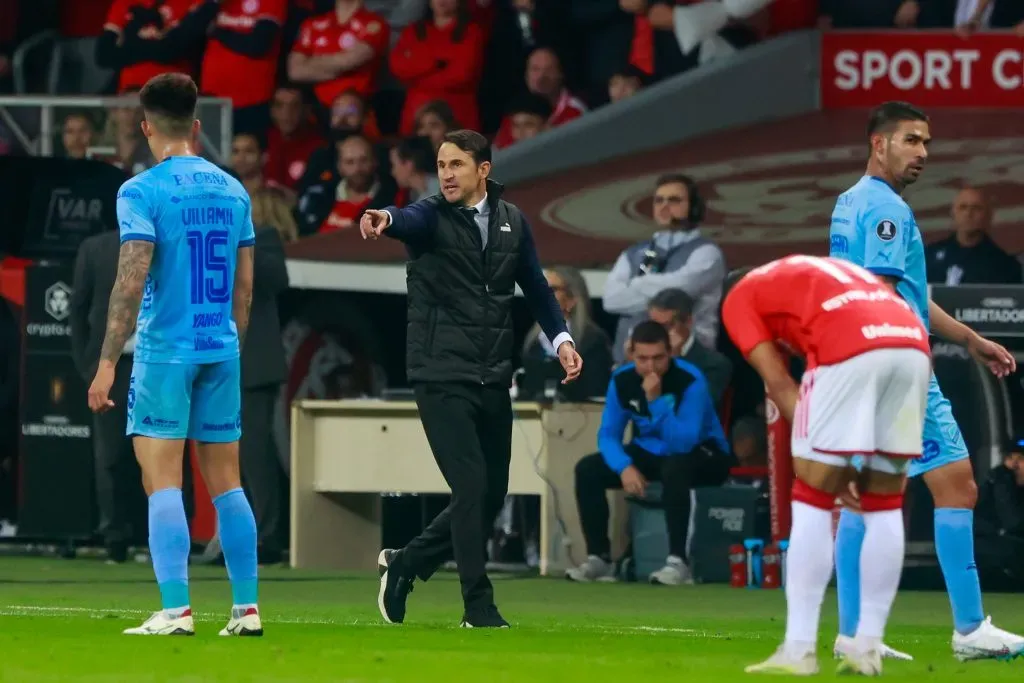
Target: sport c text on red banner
{"points": [[862, 69]]}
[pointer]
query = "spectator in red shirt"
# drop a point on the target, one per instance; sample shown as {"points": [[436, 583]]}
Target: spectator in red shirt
{"points": [[80, 24], [292, 138], [440, 58], [248, 152], [338, 51], [337, 202], [544, 77], [240, 61], [414, 168], [139, 39], [434, 120]]}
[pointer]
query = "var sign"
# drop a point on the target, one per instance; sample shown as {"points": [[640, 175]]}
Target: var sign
{"points": [[68, 212]]}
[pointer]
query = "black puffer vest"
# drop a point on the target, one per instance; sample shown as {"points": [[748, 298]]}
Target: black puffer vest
{"points": [[460, 296]]}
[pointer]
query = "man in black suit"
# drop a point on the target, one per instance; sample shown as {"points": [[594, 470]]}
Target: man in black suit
{"points": [[119, 495], [263, 371]]}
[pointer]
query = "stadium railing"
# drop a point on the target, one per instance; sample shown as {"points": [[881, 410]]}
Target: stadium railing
{"points": [[34, 121]]}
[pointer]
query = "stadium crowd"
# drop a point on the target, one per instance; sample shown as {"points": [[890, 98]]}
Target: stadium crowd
{"points": [[340, 105]]}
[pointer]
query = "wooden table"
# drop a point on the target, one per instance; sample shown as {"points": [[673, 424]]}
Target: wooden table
{"points": [[345, 454]]}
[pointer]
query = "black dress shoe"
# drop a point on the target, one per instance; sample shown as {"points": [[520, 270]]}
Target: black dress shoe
{"points": [[488, 617], [395, 586]]}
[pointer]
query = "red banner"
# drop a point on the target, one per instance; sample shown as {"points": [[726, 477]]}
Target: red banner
{"points": [[929, 69]]}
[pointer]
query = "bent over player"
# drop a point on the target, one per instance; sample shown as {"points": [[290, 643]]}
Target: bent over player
{"points": [[184, 277], [863, 393], [874, 227]]}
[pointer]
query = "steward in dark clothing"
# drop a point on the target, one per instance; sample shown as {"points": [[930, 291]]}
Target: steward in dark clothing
{"points": [[999, 525]]}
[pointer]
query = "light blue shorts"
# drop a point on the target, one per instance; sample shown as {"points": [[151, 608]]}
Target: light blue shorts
{"points": [[180, 400], [942, 444]]}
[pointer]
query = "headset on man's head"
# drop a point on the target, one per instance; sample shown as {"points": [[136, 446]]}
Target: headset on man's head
{"points": [[698, 209]]}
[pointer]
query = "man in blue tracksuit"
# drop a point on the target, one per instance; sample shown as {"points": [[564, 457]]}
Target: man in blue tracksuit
{"points": [[677, 440]]}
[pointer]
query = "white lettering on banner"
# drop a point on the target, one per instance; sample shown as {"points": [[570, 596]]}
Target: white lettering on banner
{"points": [[989, 315], [48, 330], [887, 330], [56, 426], [1000, 66], [906, 69], [731, 518]]}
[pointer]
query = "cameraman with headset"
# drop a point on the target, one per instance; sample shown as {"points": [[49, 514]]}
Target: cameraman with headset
{"points": [[676, 256]]}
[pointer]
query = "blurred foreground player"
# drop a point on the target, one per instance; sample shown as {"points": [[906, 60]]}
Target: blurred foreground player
{"points": [[187, 259], [872, 226], [863, 393]]}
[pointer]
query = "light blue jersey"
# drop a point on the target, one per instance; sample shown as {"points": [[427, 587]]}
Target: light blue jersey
{"points": [[198, 216], [874, 227], [186, 381]]}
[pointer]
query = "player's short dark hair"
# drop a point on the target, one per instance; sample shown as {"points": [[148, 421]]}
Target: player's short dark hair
{"points": [[885, 117], [675, 300], [531, 103], [169, 102], [420, 151], [650, 332], [472, 143], [674, 179]]}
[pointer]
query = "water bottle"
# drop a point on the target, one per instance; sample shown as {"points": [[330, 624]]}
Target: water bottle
{"points": [[737, 566], [754, 547], [772, 560]]}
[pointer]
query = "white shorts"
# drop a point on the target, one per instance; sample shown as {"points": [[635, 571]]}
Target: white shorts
{"points": [[870, 405]]}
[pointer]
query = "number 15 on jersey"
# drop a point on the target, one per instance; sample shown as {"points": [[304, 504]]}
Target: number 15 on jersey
{"points": [[208, 258]]}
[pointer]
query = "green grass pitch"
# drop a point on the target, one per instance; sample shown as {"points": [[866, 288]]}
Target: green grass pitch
{"points": [[62, 620]]}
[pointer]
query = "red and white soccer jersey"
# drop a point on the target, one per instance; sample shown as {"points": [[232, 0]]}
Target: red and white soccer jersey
{"points": [[868, 359]]}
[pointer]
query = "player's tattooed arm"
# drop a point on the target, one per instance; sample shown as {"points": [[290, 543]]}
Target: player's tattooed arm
{"points": [[126, 296], [241, 303]]}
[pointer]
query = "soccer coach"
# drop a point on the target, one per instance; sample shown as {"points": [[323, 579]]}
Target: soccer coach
{"points": [[468, 248]]}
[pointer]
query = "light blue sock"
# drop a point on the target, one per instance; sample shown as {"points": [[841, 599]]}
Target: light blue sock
{"points": [[169, 544], [238, 540], [849, 539], [954, 544]]}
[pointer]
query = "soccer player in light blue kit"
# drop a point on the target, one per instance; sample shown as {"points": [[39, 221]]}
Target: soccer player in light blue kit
{"points": [[874, 227], [184, 278]]}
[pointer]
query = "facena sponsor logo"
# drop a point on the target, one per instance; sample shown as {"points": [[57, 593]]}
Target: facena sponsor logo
{"points": [[887, 330]]}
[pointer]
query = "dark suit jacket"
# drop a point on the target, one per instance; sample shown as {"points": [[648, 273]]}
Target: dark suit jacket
{"points": [[263, 361], [95, 272], [716, 368]]}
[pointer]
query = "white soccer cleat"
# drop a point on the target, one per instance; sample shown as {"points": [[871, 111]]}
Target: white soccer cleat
{"points": [[245, 623], [593, 569], [844, 646], [861, 663], [987, 642], [782, 663], [674, 573], [164, 624]]}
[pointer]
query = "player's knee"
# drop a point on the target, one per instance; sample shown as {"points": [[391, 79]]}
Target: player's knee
{"points": [[953, 486], [881, 502], [827, 477], [806, 493]]}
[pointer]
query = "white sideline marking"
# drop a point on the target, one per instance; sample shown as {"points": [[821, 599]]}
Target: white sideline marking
{"points": [[99, 613]]}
